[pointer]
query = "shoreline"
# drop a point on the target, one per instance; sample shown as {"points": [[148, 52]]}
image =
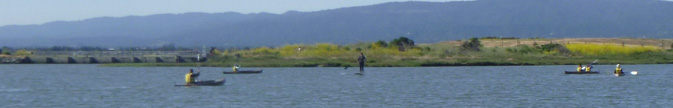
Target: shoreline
{"points": [[353, 66], [481, 52]]}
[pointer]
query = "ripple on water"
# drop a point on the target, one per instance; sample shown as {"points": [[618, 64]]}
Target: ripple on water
{"points": [[480, 86], [14, 90]]}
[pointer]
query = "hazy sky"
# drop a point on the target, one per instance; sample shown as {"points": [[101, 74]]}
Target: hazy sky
{"points": [[23, 12]]}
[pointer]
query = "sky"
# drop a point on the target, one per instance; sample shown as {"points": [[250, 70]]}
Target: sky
{"points": [[29, 12]]}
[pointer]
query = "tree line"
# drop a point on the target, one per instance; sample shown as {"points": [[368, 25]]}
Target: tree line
{"points": [[167, 47]]}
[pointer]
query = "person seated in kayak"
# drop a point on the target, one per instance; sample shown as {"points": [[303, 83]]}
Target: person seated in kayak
{"points": [[235, 68], [588, 68], [618, 69], [583, 69], [191, 76], [579, 68]]}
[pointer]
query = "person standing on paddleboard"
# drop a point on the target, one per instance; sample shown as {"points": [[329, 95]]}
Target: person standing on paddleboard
{"points": [[361, 61]]}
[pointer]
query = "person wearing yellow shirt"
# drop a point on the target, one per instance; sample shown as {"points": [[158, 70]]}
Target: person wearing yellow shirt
{"points": [[191, 76], [235, 68], [579, 68], [588, 68], [618, 70]]}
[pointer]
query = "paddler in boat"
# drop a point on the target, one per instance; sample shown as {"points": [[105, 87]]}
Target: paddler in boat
{"points": [[235, 68], [191, 76], [579, 68], [618, 70], [583, 69], [361, 61], [588, 68]]}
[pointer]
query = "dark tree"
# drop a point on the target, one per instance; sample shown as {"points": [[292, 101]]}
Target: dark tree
{"points": [[212, 50], [551, 47], [403, 42], [382, 43], [472, 45]]}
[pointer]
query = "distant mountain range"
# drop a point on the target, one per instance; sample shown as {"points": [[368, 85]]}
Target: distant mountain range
{"points": [[423, 22]]}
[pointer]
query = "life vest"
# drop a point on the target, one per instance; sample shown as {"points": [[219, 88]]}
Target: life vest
{"points": [[588, 69], [618, 70], [234, 68], [583, 69], [579, 69], [188, 78]]}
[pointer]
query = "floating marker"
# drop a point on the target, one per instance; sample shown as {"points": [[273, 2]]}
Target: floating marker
{"points": [[634, 72]]}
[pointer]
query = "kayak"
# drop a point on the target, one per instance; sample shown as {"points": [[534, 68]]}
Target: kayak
{"points": [[206, 83], [244, 72], [575, 72]]}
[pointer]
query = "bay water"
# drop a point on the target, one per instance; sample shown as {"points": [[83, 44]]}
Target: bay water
{"points": [[65, 85]]}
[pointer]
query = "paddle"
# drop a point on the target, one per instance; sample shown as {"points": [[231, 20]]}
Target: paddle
{"points": [[593, 62], [198, 63], [198, 59], [590, 64], [198, 66]]}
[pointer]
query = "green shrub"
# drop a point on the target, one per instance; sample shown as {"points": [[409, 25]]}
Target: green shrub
{"points": [[473, 45]]}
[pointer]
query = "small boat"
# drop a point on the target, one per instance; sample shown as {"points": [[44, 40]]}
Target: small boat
{"points": [[244, 72], [576, 72], [218, 82]]}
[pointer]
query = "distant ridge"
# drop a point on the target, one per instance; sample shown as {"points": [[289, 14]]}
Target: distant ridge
{"points": [[422, 21]]}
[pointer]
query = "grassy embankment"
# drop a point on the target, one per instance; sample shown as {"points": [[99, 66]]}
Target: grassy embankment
{"points": [[494, 52]]}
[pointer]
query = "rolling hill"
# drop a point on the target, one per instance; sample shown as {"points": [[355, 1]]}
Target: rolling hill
{"points": [[425, 22]]}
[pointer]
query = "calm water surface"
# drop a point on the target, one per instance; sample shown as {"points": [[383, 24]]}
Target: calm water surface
{"points": [[510, 86]]}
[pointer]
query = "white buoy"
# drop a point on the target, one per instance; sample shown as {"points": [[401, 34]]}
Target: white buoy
{"points": [[634, 72]]}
